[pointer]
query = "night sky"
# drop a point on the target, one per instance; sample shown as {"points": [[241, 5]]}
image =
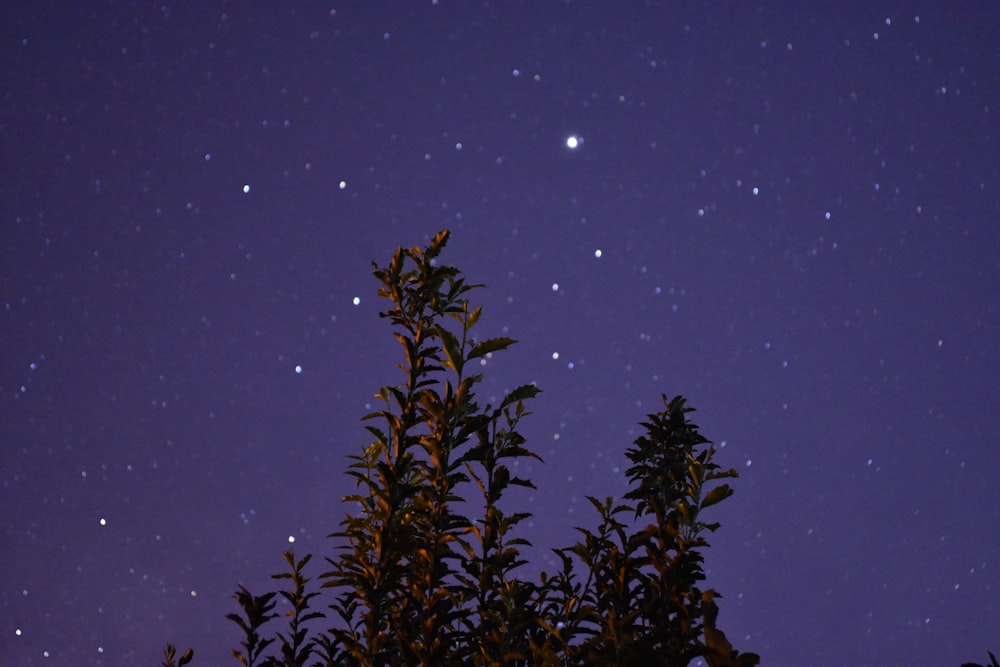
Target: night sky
{"points": [[790, 216]]}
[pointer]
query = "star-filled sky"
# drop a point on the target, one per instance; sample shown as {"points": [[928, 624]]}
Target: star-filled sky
{"points": [[788, 214]]}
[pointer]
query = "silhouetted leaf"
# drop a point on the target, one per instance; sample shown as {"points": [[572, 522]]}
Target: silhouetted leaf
{"points": [[717, 495], [491, 345]]}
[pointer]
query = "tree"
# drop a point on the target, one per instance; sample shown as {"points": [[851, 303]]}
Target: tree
{"points": [[413, 587], [639, 602], [417, 582]]}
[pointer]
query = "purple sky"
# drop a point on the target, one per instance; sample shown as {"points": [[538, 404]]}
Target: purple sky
{"points": [[790, 216]]}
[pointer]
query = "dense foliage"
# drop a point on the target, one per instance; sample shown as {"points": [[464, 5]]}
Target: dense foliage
{"points": [[414, 581]]}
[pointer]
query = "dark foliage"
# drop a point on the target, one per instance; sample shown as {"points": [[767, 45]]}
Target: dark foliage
{"points": [[295, 649], [170, 654], [993, 662], [415, 581], [637, 601], [257, 610]]}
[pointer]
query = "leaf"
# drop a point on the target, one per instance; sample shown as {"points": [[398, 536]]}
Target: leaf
{"points": [[473, 317], [717, 495], [438, 244], [490, 345], [452, 349], [520, 481], [521, 393]]}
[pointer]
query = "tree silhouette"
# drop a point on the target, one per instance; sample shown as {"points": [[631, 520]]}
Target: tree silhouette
{"points": [[639, 602], [413, 587], [415, 581]]}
